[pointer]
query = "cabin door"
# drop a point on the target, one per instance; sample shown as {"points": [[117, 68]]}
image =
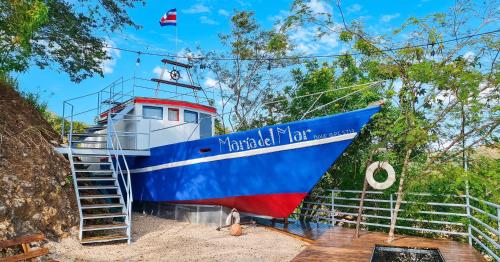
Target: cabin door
{"points": [[205, 125]]}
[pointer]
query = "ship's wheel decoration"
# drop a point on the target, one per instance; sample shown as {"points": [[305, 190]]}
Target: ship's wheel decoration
{"points": [[175, 75]]}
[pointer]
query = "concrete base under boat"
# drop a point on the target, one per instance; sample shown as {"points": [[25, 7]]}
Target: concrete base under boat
{"points": [[195, 214]]}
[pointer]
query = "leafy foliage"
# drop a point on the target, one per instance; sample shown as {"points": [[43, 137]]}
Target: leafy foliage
{"points": [[59, 32], [246, 76]]}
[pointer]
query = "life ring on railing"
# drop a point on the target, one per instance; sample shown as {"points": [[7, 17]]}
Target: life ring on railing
{"points": [[233, 217], [391, 175]]}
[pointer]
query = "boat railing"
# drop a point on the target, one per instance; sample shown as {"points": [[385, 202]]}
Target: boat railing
{"points": [[117, 95], [77, 135], [457, 216]]}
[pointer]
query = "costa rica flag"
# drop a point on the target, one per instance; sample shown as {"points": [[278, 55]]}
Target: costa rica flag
{"points": [[169, 18]]}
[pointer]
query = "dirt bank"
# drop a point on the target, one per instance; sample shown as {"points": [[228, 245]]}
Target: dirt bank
{"points": [[157, 239], [36, 194]]}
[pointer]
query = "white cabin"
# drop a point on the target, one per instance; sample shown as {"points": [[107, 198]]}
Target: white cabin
{"points": [[143, 123]]}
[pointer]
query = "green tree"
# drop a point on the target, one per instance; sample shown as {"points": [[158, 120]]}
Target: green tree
{"points": [[446, 103], [56, 32], [245, 75]]}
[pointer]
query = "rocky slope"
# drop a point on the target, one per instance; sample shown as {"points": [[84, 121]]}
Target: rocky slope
{"points": [[36, 193]]}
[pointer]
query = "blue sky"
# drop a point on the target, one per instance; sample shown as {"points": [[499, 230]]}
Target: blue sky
{"points": [[199, 23]]}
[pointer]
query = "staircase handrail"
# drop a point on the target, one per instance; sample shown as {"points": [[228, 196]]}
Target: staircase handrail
{"points": [[108, 92], [75, 187], [118, 152]]}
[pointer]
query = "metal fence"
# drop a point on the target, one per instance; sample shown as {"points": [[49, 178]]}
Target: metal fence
{"points": [[459, 216]]}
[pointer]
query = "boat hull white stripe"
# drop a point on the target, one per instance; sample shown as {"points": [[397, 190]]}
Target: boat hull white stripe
{"points": [[253, 152]]}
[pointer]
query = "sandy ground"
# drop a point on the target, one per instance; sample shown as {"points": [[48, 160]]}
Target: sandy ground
{"points": [[157, 239]]}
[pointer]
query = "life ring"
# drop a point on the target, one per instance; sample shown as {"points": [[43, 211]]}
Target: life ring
{"points": [[233, 215], [391, 175]]}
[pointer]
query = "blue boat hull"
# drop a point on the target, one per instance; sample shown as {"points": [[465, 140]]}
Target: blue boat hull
{"points": [[265, 171]]}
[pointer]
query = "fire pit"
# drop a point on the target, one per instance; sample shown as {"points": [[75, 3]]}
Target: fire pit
{"points": [[406, 254]]}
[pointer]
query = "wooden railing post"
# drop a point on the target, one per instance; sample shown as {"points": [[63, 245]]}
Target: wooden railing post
{"points": [[360, 209]]}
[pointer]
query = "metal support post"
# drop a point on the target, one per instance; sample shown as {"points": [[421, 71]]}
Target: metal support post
{"points": [[220, 217], [70, 135], [63, 118], [197, 214], [498, 221], [467, 203], [391, 207], [333, 208]]}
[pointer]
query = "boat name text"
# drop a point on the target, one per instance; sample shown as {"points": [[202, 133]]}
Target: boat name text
{"points": [[264, 138], [273, 136]]}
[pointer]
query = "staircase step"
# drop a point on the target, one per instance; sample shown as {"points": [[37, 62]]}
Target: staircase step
{"points": [[88, 142], [88, 196], [93, 171], [103, 215], [89, 175], [92, 163], [99, 127], [96, 187], [95, 179], [90, 156], [89, 134], [108, 238], [104, 227], [94, 206]]}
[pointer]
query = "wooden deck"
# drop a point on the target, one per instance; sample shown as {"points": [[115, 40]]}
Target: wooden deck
{"points": [[339, 244]]}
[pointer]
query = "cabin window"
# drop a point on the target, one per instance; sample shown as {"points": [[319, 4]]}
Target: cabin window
{"points": [[173, 114], [205, 125], [152, 112], [190, 117]]}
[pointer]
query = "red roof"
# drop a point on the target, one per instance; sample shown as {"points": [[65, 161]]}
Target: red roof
{"points": [[177, 103], [167, 102]]}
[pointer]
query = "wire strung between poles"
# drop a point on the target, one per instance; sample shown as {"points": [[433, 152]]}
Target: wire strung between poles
{"points": [[301, 57]]}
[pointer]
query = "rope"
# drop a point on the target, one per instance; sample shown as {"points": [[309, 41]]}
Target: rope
{"points": [[331, 102], [371, 84]]}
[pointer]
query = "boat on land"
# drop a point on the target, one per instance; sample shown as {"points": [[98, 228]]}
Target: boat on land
{"points": [[265, 171]]}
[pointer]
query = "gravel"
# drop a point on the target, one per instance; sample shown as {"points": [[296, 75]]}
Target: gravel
{"points": [[157, 239]]}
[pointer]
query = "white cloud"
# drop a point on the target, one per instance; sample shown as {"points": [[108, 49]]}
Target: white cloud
{"points": [[388, 18], [210, 82], [318, 6], [354, 8], [109, 65], [279, 18], [223, 12], [306, 41], [208, 21], [469, 56], [157, 71], [197, 9], [184, 54]]}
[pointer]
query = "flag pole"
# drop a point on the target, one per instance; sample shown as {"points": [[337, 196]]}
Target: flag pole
{"points": [[176, 39]]}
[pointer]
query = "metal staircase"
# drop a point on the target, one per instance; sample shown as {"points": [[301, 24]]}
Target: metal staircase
{"points": [[101, 176], [102, 183]]}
